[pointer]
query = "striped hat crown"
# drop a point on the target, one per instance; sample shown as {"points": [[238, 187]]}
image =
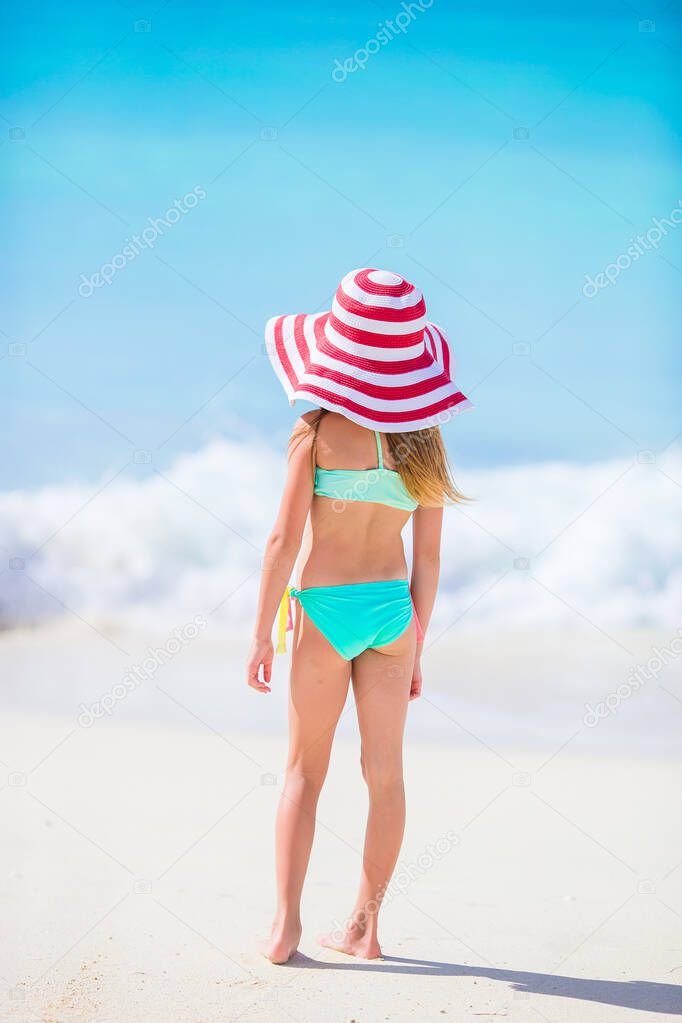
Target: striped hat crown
{"points": [[374, 357]]}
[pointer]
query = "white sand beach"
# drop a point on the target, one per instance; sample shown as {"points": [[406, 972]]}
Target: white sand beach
{"points": [[535, 882]]}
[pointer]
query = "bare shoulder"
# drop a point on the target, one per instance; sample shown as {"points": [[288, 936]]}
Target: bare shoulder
{"points": [[341, 443], [314, 429], [334, 425], [302, 436], [304, 425], [333, 430], [308, 418]]}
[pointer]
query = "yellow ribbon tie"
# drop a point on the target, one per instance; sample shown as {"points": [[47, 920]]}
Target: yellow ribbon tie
{"points": [[282, 619]]}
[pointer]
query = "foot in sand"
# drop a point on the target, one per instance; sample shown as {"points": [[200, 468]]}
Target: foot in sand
{"points": [[282, 943], [354, 941]]}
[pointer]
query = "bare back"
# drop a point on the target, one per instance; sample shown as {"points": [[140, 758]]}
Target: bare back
{"points": [[350, 541]]}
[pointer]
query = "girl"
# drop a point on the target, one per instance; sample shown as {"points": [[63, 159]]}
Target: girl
{"points": [[369, 459]]}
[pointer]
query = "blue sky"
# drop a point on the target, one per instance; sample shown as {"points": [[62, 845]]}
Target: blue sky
{"points": [[493, 157]]}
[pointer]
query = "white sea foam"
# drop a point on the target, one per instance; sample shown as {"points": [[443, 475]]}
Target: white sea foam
{"points": [[551, 544]]}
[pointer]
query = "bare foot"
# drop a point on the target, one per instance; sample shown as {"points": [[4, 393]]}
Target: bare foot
{"points": [[281, 944], [278, 951], [354, 941], [283, 941]]}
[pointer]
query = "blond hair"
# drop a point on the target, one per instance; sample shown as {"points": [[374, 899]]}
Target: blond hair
{"points": [[419, 457]]}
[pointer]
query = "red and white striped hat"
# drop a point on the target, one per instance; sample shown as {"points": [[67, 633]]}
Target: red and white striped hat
{"points": [[374, 358]]}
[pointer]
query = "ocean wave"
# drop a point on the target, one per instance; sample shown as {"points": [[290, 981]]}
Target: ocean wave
{"points": [[551, 544]]}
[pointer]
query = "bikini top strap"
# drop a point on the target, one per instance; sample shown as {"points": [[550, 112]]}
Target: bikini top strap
{"points": [[380, 455]]}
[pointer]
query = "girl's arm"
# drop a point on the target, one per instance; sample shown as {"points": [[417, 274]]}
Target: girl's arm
{"points": [[281, 552], [426, 532]]}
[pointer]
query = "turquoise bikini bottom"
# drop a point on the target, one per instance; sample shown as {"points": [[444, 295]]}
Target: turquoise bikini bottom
{"points": [[358, 616]]}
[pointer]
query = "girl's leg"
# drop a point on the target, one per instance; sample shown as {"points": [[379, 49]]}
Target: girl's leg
{"points": [[317, 693], [381, 681]]}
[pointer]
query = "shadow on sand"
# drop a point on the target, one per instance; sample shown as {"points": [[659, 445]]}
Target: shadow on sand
{"points": [[634, 994]]}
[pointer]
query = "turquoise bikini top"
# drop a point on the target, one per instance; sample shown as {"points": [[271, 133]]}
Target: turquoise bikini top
{"points": [[380, 486]]}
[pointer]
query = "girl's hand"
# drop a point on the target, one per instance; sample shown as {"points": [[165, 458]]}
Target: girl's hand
{"points": [[416, 686], [261, 653]]}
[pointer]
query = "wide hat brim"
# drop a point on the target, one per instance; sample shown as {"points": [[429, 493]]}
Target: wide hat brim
{"points": [[378, 388]]}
